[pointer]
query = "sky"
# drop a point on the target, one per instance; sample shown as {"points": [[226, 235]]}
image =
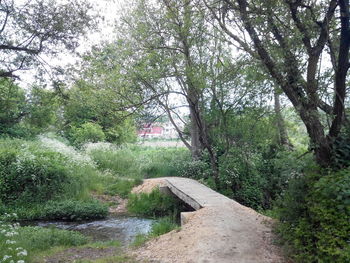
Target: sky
{"points": [[110, 10]]}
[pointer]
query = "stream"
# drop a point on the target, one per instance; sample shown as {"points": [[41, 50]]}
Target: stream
{"points": [[121, 228]]}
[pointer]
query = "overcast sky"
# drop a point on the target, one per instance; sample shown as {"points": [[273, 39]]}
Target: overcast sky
{"points": [[111, 11]]}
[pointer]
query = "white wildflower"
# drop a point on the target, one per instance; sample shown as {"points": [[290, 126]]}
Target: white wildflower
{"points": [[104, 146], [68, 151], [22, 253], [6, 257]]}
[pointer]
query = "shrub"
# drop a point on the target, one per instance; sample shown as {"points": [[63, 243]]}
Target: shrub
{"points": [[88, 132], [154, 204], [31, 175], [240, 179], [74, 210], [69, 210], [315, 216]]}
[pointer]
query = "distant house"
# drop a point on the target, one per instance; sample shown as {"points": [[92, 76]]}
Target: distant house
{"points": [[159, 130], [151, 131]]}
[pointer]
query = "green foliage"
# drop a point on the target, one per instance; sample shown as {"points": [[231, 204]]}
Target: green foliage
{"points": [[125, 132], [88, 104], [39, 238], [136, 161], [30, 175], [21, 243], [315, 215], [42, 109], [140, 239], [240, 178], [122, 187], [74, 210], [87, 132], [163, 226], [196, 169], [12, 108], [69, 210], [122, 162], [154, 204]]}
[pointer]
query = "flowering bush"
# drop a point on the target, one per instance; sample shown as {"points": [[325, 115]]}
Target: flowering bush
{"points": [[69, 152], [31, 174]]}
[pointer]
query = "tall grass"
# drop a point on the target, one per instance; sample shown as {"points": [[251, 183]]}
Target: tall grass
{"points": [[161, 227], [141, 162]]}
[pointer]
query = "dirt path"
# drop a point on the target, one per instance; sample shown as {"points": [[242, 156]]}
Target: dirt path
{"points": [[224, 232]]}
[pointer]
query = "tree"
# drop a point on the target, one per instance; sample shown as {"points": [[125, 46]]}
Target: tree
{"points": [[12, 105], [291, 38], [38, 27], [99, 94]]}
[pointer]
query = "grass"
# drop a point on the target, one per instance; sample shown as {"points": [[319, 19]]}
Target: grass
{"points": [[122, 187], [23, 243], [154, 204], [161, 227], [39, 238], [113, 171], [141, 162], [69, 210], [113, 259]]}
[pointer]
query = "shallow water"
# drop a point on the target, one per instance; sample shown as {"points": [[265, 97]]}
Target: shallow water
{"points": [[122, 228]]}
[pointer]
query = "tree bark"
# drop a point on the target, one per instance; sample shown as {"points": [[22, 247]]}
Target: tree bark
{"points": [[281, 127]]}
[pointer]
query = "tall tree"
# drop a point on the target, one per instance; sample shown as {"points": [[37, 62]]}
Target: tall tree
{"points": [[291, 38], [179, 55], [29, 29]]}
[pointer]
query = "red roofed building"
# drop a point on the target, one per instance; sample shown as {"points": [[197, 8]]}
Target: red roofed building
{"points": [[150, 131]]}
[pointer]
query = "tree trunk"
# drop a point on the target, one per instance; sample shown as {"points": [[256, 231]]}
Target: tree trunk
{"points": [[320, 143], [196, 148], [281, 127]]}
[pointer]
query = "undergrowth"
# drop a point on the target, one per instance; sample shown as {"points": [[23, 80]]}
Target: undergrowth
{"points": [[154, 204], [161, 227], [315, 213]]}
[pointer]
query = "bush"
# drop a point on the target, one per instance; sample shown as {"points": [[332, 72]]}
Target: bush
{"points": [[154, 204], [69, 210], [315, 216], [240, 178], [74, 210], [30, 175], [88, 132]]}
